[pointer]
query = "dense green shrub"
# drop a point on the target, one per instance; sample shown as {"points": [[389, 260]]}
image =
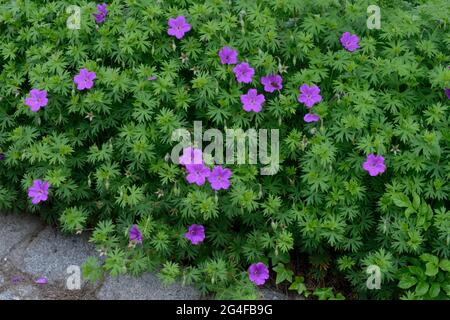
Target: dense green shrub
{"points": [[104, 149]]}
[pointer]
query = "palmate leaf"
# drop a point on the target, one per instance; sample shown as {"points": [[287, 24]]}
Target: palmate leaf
{"points": [[283, 274]]}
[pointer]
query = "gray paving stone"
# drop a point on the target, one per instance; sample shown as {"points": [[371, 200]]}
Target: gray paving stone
{"points": [[270, 294], [30, 250], [20, 292], [147, 287], [14, 229], [50, 254]]}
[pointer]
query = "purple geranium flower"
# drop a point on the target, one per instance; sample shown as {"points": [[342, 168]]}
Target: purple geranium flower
{"points": [[220, 178], [42, 280], [178, 27], [191, 156], [38, 191], [272, 82], [16, 279], [196, 234], [243, 72], [85, 79], [374, 165], [350, 41], [309, 96], [447, 92], [101, 13], [228, 55], [37, 99], [152, 78], [258, 273], [311, 117], [197, 173], [135, 234], [252, 101], [2, 156]]}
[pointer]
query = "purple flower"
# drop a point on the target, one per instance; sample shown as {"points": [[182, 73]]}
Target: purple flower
{"points": [[16, 279], [38, 191], [152, 78], [191, 156], [350, 41], [101, 13], [42, 280], [374, 165], [252, 101], [196, 234], [309, 96], [258, 273], [243, 72], [85, 79], [228, 55], [311, 117], [197, 173], [135, 234], [37, 99], [219, 178], [272, 82], [2, 156], [447, 92], [178, 27]]}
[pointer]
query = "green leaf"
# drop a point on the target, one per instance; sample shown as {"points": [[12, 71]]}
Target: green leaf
{"points": [[92, 269], [445, 265], [430, 258], [407, 282], [324, 293], [446, 289], [283, 274], [338, 296], [422, 288], [299, 286], [401, 200], [431, 269], [435, 289], [416, 201], [73, 219], [416, 271]]}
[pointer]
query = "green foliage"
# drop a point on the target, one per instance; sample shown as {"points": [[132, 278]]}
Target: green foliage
{"points": [[327, 294], [283, 274], [429, 281], [104, 150], [299, 286]]}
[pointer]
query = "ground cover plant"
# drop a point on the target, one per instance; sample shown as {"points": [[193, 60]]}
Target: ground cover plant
{"points": [[91, 93]]}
